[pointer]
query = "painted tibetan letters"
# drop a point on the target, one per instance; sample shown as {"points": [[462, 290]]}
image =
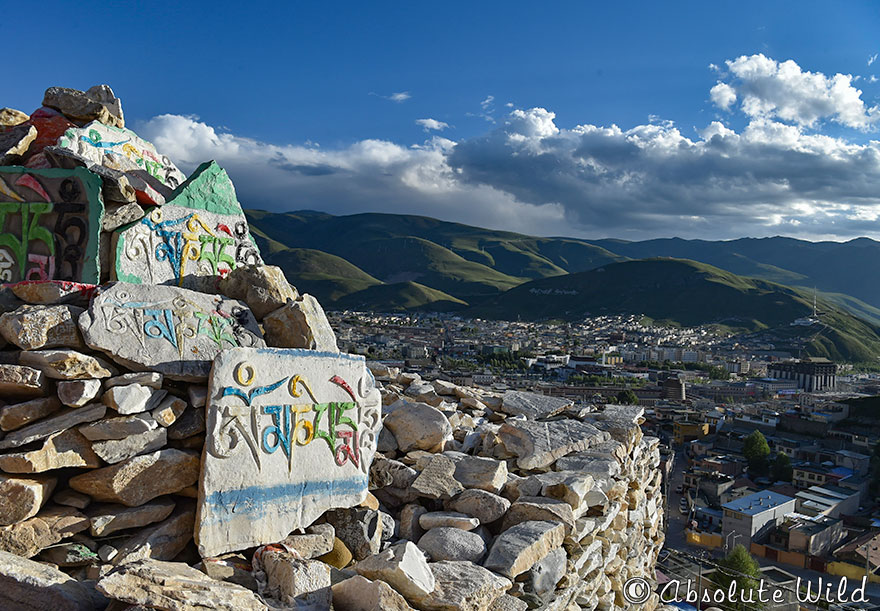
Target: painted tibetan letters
{"points": [[199, 235], [50, 224], [290, 434], [167, 329]]}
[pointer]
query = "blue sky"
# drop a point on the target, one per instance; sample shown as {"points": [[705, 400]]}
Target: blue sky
{"points": [[562, 119]]}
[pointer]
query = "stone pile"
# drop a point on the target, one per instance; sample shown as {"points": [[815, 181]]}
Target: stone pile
{"points": [[187, 436]]}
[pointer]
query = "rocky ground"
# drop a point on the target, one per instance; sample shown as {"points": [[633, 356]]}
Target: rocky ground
{"points": [[469, 499]]}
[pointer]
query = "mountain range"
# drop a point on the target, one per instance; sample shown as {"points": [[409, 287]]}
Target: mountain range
{"points": [[388, 262]]}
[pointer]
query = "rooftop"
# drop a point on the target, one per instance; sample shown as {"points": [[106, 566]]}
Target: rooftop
{"points": [[758, 502]]}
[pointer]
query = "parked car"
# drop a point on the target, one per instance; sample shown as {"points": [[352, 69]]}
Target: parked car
{"points": [[679, 489]]}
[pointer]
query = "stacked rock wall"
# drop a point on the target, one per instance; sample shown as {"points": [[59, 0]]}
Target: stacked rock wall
{"points": [[189, 436]]}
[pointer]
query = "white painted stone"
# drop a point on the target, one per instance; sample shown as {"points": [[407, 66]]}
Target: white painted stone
{"points": [[290, 434], [170, 330]]}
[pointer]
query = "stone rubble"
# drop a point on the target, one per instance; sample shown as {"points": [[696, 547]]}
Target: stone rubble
{"points": [[190, 437]]}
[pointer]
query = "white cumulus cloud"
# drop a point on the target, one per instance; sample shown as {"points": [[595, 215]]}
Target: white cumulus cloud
{"points": [[432, 124]]}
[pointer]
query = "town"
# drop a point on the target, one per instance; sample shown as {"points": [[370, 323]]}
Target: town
{"points": [[761, 448]]}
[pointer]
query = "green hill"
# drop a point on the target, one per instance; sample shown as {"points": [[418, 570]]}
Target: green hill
{"points": [[398, 297], [689, 293]]}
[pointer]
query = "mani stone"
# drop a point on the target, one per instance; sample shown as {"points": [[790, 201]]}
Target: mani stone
{"points": [[67, 364], [16, 416], [15, 142], [300, 324], [538, 444], [262, 287], [175, 586], [18, 382], [33, 327], [76, 393], [462, 586], [418, 426], [107, 519], [360, 594], [403, 567], [55, 424], [174, 331], [61, 238], [48, 527], [65, 449], [532, 405], [517, 549], [27, 585], [97, 103], [22, 497], [140, 479], [197, 237], [290, 434], [437, 479]]}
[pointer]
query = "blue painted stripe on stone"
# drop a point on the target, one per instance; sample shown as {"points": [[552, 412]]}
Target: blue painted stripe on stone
{"points": [[312, 353], [253, 499]]}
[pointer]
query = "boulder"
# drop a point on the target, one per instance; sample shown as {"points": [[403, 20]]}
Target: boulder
{"points": [[316, 541], [113, 451], [33, 586], [462, 586], [67, 364], [532, 405], [96, 104], [18, 382], [119, 427], [403, 567], [296, 581], [132, 398], [51, 525], [437, 479], [32, 327], [162, 541], [10, 117], [174, 585], [15, 142], [359, 528], [517, 549], [60, 450], [418, 426], [360, 594], [22, 497], [262, 287], [300, 324], [106, 519], [76, 393], [538, 444], [484, 506], [41, 429], [445, 543], [448, 519]]}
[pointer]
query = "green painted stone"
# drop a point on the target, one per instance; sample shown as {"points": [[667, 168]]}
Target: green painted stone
{"points": [[50, 224], [198, 236]]}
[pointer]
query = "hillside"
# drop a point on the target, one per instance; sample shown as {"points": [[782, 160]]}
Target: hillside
{"points": [[398, 297], [688, 293]]}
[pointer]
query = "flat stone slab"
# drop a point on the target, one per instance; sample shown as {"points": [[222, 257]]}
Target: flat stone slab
{"points": [[47, 427], [20, 382], [200, 235], [290, 434], [532, 405], [538, 444], [50, 223], [174, 331], [33, 586]]}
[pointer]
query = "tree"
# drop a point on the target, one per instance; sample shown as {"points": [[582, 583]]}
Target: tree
{"points": [[627, 397], [739, 566], [757, 451], [781, 471]]}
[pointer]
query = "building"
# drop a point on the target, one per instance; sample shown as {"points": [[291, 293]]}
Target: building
{"points": [[831, 501], [810, 374], [751, 517], [812, 536], [683, 432], [673, 389]]}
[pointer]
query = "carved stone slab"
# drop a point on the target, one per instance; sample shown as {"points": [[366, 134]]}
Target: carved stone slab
{"points": [[120, 149], [167, 329], [50, 223], [290, 434], [198, 236]]}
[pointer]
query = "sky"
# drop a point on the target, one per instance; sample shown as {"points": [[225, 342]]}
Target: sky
{"points": [[628, 120]]}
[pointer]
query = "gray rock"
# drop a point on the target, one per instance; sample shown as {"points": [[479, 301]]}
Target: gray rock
{"points": [[538, 444], [418, 426], [68, 554], [168, 411], [71, 498], [190, 423], [403, 567], [262, 287], [360, 594], [480, 472], [449, 519], [132, 398], [66, 449], [164, 541], [437, 479], [115, 216], [410, 528], [119, 427], [107, 519], [173, 331], [34, 586], [113, 451], [484, 506], [445, 543], [67, 364], [153, 379], [15, 142], [22, 497], [51, 525], [359, 528], [316, 541], [532, 405], [547, 572], [140, 479], [18, 382], [52, 425], [11, 116], [300, 324], [76, 393], [174, 585], [33, 327], [531, 508], [14, 417], [462, 586], [96, 104], [295, 581], [518, 549]]}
